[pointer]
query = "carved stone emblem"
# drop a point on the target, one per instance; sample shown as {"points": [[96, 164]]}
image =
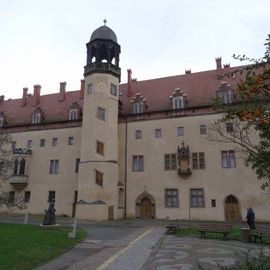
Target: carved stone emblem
{"points": [[183, 161]]}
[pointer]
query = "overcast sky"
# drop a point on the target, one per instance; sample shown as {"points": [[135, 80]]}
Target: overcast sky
{"points": [[43, 41]]}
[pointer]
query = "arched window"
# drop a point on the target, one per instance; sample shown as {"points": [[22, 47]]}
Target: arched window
{"points": [[22, 167]]}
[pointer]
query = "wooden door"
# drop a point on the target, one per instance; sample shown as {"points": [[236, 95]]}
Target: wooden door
{"points": [[232, 211], [110, 213], [146, 208]]}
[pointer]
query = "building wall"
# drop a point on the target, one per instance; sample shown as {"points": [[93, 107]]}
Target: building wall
{"points": [[217, 182], [40, 181]]}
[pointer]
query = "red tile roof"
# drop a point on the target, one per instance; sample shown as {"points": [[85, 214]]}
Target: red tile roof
{"points": [[199, 87]]}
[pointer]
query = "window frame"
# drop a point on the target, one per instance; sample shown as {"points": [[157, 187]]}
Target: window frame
{"points": [[138, 134], [198, 161], [101, 114], [158, 133], [180, 131], [137, 163], [99, 177], [113, 89], [54, 167], [138, 107], [171, 200], [228, 159], [73, 114], [178, 102], [89, 89], [100, 148], [170, 162], [197, 200], [77, 165], [229, 127]]}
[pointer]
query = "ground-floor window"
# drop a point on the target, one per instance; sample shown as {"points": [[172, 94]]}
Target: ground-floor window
{"points": [[197, 197], [171, 198]]}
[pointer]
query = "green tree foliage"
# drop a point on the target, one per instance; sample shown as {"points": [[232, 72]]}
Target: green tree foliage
{"points": [[251, 111]]}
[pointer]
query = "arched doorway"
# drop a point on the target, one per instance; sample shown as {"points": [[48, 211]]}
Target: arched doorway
{"points": [[232, 209], [145, 206]]}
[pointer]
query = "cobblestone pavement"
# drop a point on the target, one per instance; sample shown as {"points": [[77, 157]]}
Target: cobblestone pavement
{"points": [[186, 253]]}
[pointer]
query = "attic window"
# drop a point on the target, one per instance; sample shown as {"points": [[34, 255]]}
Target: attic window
{"points": [[224, 93], [73, 114], [2, 120], [138, 104], [178, 102], [36, 118], [178, 99], [138, 107]]}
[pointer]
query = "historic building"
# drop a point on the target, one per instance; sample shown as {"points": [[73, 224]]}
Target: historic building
{"points": [[139, 149]]}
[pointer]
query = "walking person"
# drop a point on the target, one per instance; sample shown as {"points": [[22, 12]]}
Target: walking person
{"points": [[251, 218]]}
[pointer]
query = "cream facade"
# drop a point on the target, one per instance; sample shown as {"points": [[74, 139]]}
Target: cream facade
{"points": [[124, 156]]}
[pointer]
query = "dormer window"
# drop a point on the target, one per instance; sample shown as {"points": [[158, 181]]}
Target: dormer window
{"points": [[37, 116], [178, 102], [138, 104], [73, 114], [138, 107], [178, 99], [225, 93], [2, 120]]}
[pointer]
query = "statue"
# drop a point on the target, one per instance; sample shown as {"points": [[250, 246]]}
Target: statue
{"points": [[183, 161], [49, 218]]}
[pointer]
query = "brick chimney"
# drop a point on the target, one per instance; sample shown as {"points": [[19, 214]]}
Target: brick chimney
{"points": [[36, 97], [188, 71], [82, 88], [62, 93], [129, 71], [219, 67], [24, 97], [226, 67]]}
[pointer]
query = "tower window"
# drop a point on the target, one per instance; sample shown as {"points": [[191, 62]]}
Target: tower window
{"points": [[89, 89], [113, 89], [100, 148], [70, 140], [99, 178], [101, 113]]}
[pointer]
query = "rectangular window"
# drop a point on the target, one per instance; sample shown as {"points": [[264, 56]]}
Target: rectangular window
{"points": [[101, 113], [42, 143], [29, 143], [197, 197], [158, 133], [77, 165], [27, 196], [137, 164], [171, 198], [51, 196], [169, 162], [138, 134], [70, 141], [180, 131], [203, 129], [89, 89], [100, 148], [99, 178], [54, 141], [213, 203], [228, 159], [11, 197], [229, 127], [113, 89], [54, 166], [198, 161]]}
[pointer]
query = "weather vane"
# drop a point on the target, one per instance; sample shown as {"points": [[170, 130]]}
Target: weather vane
{"points": [[105, 21]]}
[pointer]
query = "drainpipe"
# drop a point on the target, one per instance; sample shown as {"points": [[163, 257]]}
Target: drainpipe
{"points": [[125, 203]]}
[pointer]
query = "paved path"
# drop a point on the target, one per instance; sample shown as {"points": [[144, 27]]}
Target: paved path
{"points": [[186, 253]]}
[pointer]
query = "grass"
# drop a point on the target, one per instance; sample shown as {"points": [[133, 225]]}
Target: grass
{"points": [[24, 247]]}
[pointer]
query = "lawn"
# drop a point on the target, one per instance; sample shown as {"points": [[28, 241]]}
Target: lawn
{"points": [[23, 247]]}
